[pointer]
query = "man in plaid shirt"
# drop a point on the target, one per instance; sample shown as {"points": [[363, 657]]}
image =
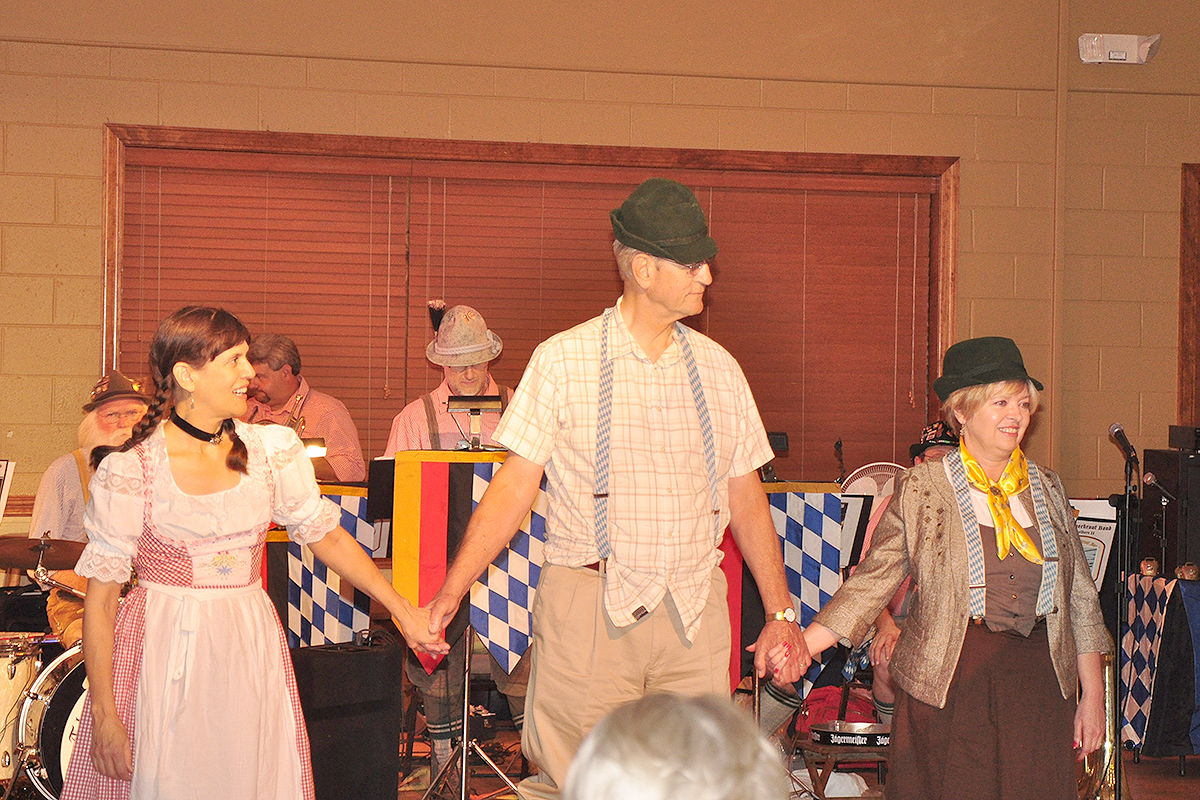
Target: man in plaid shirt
{"points": [[650, 442]]}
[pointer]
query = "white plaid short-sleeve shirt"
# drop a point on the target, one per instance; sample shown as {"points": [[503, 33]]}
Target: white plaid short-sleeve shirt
{"points": [[660, 505]]}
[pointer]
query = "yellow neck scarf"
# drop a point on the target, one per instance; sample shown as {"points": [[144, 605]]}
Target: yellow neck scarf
{"points": [[1013, 481]]}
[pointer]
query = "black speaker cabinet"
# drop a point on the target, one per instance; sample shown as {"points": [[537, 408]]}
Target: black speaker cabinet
{"points": [[1171, 534], [352, 701]]}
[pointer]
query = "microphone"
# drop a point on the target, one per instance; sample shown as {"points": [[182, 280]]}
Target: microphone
{"points": [[1150, 480], [1117, 434]]}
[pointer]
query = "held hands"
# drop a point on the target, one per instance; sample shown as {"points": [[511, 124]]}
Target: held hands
{"points": [[442, 609], [781, 652], [419, 635]]}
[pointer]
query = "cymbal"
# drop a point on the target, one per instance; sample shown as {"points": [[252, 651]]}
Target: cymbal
{"points": [[18, 552]]}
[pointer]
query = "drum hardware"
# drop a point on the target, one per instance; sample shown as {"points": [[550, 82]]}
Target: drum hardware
{"points": [[49, 720], [11, 668], [21, 653], [17, 552], [42, 575], [852, 734]]}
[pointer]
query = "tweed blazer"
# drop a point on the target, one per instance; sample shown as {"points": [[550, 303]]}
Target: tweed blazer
{"points": [[921, 534]]}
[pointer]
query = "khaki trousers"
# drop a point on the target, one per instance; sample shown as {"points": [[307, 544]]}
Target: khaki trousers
{"points": [[584, 667]]}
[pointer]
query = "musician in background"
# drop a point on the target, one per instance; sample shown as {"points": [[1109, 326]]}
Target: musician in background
{"points": [[116, 405], [462, 346], [280, 394]]}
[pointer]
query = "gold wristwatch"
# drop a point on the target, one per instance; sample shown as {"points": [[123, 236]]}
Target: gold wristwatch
{"points": [[787, 615]]}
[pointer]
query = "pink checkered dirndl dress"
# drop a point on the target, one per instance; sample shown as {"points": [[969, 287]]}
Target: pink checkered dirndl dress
{"points": [[202, 678]]}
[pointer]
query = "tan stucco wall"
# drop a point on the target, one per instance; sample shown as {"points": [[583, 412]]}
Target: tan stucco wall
{"points": [[1070, 173]]}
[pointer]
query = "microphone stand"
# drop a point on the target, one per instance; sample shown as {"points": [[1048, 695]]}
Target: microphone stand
{"points": [[1164, 497], [1125, 534]]}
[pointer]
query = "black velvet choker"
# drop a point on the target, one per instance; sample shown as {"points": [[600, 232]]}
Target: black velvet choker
{"points": [[194, 432]]}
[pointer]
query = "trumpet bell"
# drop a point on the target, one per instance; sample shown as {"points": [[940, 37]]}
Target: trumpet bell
{"points": [[1098, 777]]}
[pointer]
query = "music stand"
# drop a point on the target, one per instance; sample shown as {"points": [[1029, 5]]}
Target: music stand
{"points": [[475, 406]]}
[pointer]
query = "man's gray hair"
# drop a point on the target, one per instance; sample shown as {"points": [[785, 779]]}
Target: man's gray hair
{"points": [[274, 349], [625, 255], [668, 747]]}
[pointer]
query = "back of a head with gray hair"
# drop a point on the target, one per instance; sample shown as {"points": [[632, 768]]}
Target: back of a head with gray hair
{"points": [[668, 747], [274, 349]]}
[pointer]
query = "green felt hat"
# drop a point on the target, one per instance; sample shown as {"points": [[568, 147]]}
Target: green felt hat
{"points": [[114, 386], [663, 218]]}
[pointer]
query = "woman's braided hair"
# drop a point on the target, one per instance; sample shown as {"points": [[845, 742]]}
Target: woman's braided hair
{"points": [[195, 335]]}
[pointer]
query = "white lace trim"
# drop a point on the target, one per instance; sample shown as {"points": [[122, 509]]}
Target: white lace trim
{"points": [[313, 529], [116, 483], [113, 568]]}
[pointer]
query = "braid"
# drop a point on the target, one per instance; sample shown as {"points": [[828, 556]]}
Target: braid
{"points": [[236, 460], [142, 429]]}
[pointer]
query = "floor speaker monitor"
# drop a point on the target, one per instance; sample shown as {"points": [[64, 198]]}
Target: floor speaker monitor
{"points": [[352, 702]]}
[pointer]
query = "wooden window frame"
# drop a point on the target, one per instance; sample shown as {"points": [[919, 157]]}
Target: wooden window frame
{"points": [[1189, 296], [938, 178]]}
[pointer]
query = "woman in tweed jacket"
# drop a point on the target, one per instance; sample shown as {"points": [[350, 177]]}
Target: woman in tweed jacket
{"points": [[1005, 626]]}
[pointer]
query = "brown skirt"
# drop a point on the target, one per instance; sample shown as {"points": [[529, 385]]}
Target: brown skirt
{"points": [[1005, 734]]}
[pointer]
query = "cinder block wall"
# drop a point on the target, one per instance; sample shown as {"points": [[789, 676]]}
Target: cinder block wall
{"points": [[1069, 214], [1121, 275]]}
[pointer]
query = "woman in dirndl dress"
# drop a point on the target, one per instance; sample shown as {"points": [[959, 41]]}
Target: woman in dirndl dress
{"points": [[1006, 629], [191, 689]]}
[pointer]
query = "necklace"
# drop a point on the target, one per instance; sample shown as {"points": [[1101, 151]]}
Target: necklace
{"points": [[193, 431]]}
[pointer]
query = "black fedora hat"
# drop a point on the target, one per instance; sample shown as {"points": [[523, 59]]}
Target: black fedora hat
{"points": [[975, 362]]}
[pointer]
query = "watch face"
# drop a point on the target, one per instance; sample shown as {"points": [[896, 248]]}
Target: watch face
{"points": [[787, 615]]}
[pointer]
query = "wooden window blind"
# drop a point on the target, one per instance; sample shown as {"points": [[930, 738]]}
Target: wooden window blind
{"points": [[829, 288]]}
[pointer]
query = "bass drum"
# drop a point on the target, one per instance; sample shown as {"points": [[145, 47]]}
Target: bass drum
{"points": [[50, 719], [20, 655]]}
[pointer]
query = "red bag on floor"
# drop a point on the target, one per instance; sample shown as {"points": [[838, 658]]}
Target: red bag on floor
{"points": [[822, 705]]}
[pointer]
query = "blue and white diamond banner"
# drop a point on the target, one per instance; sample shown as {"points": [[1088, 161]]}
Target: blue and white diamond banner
{"points": [[322, 609], [502, 599], [810, 528], [1139, 653]]}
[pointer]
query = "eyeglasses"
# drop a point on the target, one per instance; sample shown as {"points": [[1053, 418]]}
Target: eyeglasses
{"points": [[690, 269], [114, 417]]}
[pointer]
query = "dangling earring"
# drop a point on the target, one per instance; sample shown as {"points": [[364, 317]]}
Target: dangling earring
{"points": [[192, 401]]}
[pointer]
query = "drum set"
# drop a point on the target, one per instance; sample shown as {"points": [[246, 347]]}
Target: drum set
{"points": [[42, 684]]}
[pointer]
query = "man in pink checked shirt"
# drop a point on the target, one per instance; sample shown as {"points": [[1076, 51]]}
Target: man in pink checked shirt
{"points": [[279, 394]]}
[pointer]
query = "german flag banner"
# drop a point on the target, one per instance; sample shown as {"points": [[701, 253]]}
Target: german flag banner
{"points": [[435, 493]]}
